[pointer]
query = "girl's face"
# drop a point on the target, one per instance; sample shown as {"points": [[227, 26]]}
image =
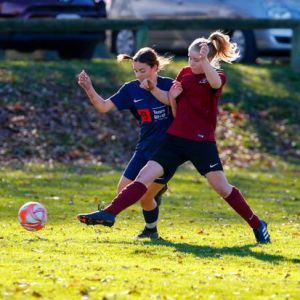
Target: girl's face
{"points": [[195, 62], [143, 71]]}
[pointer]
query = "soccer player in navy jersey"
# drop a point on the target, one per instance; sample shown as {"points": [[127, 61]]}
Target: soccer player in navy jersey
{"points": [[147, 99], [194, 99]]}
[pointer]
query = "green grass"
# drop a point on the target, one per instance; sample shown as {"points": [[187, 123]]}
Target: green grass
{"points": [[208, 251]]}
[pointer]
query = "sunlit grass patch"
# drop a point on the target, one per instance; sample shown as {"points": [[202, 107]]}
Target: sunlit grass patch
{"points": [[208, 252]]}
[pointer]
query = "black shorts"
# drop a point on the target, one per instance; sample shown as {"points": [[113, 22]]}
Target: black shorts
{"points": [[136, 163], [175, 151]]}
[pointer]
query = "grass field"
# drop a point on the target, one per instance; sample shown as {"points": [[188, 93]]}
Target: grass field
{"points": [[208, 252]]}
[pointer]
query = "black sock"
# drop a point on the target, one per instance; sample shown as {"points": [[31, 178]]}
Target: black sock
{"points": [[151, 218]]}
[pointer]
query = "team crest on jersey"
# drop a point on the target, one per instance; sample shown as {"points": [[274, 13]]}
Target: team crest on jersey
{"points": [[160, 113]]}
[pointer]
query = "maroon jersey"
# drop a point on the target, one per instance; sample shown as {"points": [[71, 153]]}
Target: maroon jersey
{"points": [[197, 108]]}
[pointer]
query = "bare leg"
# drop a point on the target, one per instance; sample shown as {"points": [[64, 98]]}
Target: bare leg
{"points": [[149, 173], [219, 183], [124, 181], [147, 201]]}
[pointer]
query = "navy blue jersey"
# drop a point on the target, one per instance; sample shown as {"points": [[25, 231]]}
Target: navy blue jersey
{"points": [[154, 117]]}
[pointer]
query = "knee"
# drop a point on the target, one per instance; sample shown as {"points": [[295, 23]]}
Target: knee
{"points": [[147, 203]]}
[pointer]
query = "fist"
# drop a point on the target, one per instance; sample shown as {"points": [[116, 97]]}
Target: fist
{"points": [[204, 50], [84, 80], [176, 89], [147, 84]]}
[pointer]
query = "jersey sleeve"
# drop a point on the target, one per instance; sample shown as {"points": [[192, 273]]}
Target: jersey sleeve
{"points": [[223, 77], [122, 98]]}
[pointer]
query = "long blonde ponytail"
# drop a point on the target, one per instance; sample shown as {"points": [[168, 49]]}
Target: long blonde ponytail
{"points": [[220, 48], [225, 49]]}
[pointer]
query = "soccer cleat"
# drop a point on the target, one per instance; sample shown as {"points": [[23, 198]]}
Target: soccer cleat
{"points": [[158, 197], [261, 233], [100, 217], [146, 233]]}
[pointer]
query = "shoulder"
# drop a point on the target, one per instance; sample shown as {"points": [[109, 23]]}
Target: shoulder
{"points": [[164, 79], [185, 71], [164, 82], [131, 84], [125, 91]]}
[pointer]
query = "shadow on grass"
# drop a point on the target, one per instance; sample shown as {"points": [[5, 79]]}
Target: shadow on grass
{"points": [[205, 251], [209, 251]]}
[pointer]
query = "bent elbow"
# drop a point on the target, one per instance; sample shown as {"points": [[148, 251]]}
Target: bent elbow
{"points": [[101, 109], [105, 107], [217, 84]]}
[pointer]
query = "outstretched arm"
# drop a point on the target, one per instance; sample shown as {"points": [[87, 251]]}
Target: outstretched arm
{"points": [[99, 103], [159, 94]]}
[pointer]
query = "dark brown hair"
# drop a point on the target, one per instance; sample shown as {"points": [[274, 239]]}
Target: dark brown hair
{"points": [[147, 56]]}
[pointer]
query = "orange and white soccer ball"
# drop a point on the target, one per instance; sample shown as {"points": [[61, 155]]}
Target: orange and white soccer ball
{"points": [[33, 216]]}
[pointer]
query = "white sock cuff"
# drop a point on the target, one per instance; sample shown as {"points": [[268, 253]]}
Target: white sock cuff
{"points": [[151, 225]]}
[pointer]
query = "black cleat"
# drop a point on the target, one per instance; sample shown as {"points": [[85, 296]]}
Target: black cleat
{"points": [[146, 233], [100, 217]]}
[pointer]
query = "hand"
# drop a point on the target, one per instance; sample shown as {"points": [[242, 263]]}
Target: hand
{"points": [[84, 80], [204, 50], [148, 85], [176, 89]]}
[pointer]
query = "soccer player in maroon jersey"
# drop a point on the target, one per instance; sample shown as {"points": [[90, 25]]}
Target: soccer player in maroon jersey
{"points": [[194, 99], [146, 98]]}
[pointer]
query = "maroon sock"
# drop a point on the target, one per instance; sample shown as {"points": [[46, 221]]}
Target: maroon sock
{"points": [[128, 196], [239, 204]]}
